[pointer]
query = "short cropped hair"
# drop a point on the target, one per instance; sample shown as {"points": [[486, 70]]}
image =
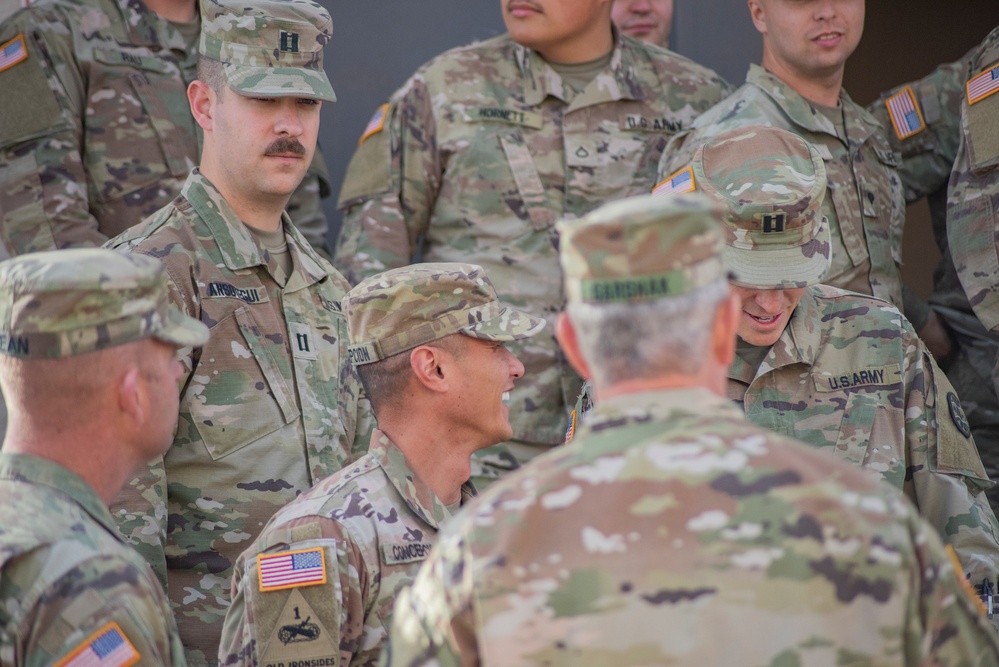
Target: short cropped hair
{"points": [[387, 378], [210, 73]]}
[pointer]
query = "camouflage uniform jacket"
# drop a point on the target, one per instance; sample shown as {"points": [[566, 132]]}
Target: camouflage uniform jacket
{"points": [[66, 574], [673, 532], [864, 203], [484, 148], [97, 132], [268, 407], [850, 376], [375, 522]]}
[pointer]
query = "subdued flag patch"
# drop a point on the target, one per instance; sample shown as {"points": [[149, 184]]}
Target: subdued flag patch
{"points": [[376, 123], [680, 182], [983, 85], [292, 569], [12, 53], [905, 115], [108, 647]]}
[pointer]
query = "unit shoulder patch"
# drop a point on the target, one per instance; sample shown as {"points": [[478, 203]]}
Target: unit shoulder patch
{"points": [[957, 414], [906, 116], [291, 569], [680, 182], [299, 635], [108, 647]]}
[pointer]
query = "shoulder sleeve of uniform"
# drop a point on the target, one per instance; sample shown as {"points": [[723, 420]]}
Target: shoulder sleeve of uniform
{"points": [[369, 171], [29, 105], [956, 452]]}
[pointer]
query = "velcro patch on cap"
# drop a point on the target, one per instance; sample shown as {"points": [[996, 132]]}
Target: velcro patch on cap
{"points": [[862, 377], [773, 223], [680, 182], [108, 647], [981, 86], [906, 116], [291, 569], [13, 52], [376, 124], [410, 552]]}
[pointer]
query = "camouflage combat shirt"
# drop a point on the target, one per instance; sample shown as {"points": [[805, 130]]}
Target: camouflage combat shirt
{"points": [[864, 202], [483, 149], [673, 532], [68, 582], [268, 407], [374, 523], [97, 131], [849, 376]]}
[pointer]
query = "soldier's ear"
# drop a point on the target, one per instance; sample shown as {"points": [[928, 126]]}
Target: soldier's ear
{"points": [[430, 366], [565, 333], [202, 100], [759, 16], [131, 395]]}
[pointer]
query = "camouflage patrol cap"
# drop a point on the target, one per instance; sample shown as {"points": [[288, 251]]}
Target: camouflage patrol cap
{"points": [[642, 249], [771, 183], [403, 308], [67, 302], [270, 48]]}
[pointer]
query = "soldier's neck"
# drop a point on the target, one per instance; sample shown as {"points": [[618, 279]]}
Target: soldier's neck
{"points": [[821, 88], [178, 11]]}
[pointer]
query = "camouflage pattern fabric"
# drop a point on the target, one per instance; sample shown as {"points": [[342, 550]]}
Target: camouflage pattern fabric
{"points": [[478, 155], [97, 131], [850, 376], [400, 309], [66, 573], [864, 203], [268, 407], [375, 523], [929, 150], [672, 532]]}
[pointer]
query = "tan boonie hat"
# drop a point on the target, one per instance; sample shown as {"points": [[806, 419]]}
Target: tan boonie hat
{"points": [[67, 302], [771, 183], [642, 249], [270, 48], [398, 310]]}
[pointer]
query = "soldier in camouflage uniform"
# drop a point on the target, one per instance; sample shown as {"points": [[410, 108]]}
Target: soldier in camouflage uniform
{"points": [[932, 122], [97, 133], [421, 336], [72, 592], [799, 88], [487, 145], [839, 371], [271, 405], [673, 532]]}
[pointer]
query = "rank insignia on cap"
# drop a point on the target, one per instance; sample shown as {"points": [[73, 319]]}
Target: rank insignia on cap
{"points": [[289, 42], [983, 85], [905, 115], [376, 123], [12, 53], [291, 569], [957, 414], [108, 647], [571, 431], [680, 182], [773, 223]]}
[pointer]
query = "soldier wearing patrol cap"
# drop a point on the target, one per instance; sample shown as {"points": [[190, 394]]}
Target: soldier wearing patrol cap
{"points": [[271, 405], [88, 343], [671, 531], [840, 371], [429, 342]]}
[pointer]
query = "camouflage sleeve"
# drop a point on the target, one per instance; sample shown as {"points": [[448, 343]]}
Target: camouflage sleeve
{"points": [[946, 478], [304, 207], [927, 152], [434, 620], [391, 186], [366, 424], [318, 622], [679, 153], [100, 603], [43, 186]]}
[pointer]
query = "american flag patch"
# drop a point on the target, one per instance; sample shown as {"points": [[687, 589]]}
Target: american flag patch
{"points": [[983, 85], [12, 52], [681, 181], [376, 123], [108, 647], [904, 112], [291, 569]]}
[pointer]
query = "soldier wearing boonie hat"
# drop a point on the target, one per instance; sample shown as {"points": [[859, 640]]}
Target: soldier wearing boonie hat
{"points": [[269, 48], [87, 362], [830, 367], [428, 342], [666, 465]]}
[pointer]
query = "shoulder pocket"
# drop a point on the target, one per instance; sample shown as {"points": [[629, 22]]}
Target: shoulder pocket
{"points": [[369, 171], [28, 105], [982, 119]]}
